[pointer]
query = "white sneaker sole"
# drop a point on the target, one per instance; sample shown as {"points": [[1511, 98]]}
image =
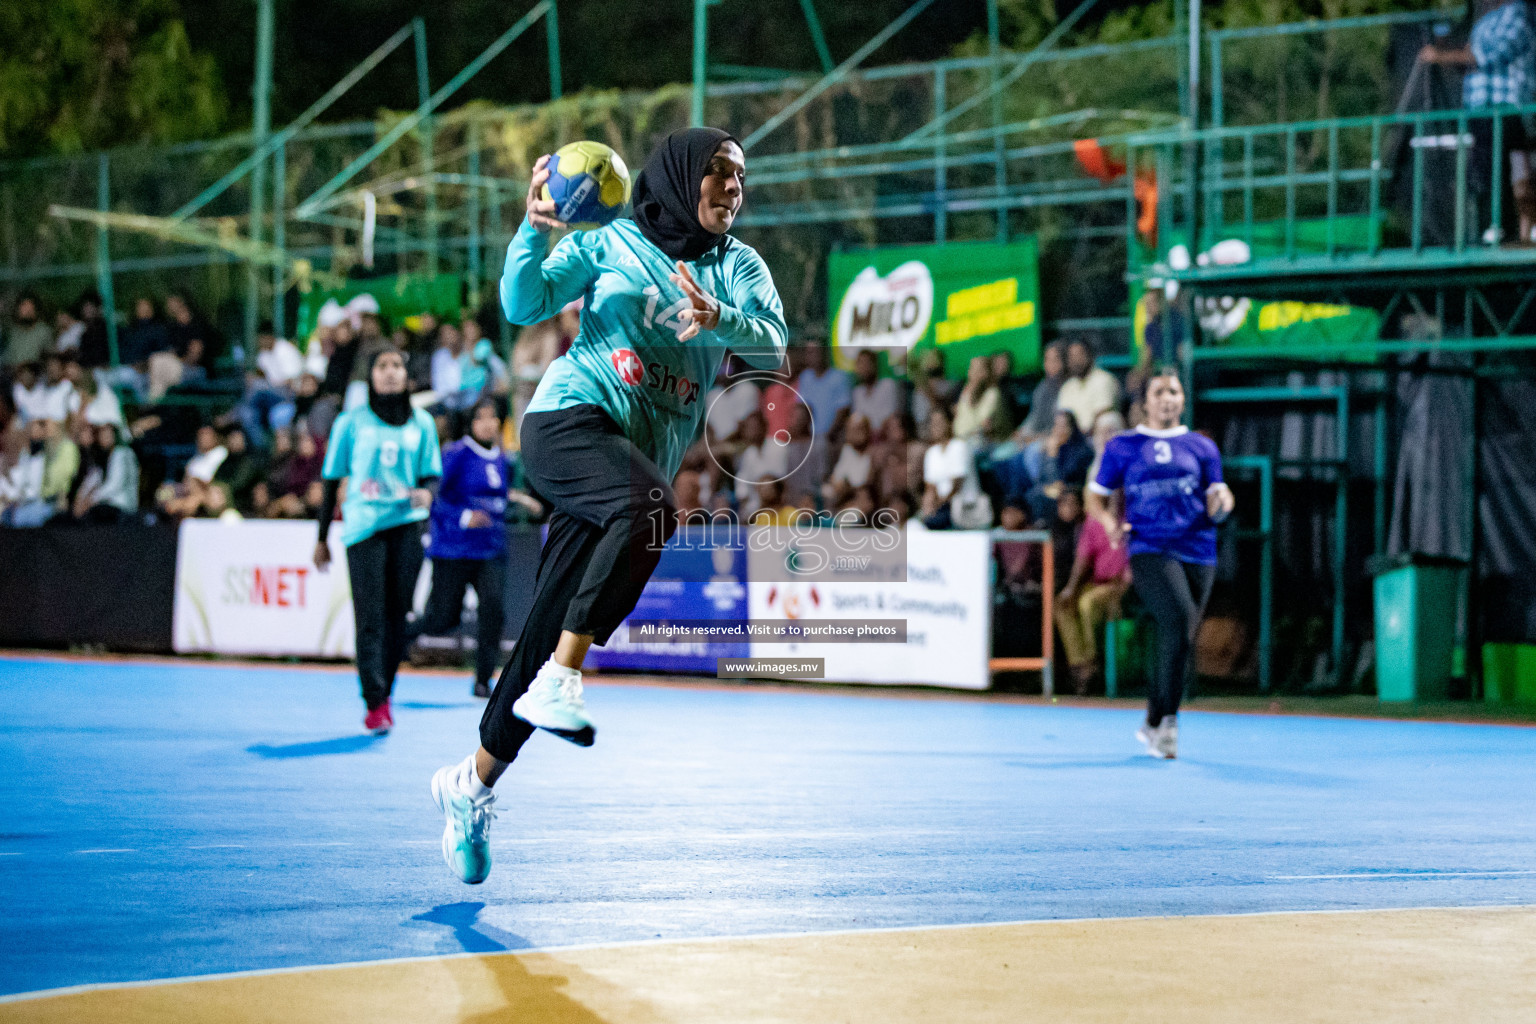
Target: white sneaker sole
{"points": [[581, 735], [1150, 742]]}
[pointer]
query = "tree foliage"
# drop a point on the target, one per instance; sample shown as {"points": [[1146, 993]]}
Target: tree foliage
{"points": [[86, 74]]}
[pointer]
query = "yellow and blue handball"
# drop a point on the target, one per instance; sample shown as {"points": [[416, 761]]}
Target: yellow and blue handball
{"points": [[588, 183]]}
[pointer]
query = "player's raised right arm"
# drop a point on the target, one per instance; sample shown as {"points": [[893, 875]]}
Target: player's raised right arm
{"points": [[536, 283]]}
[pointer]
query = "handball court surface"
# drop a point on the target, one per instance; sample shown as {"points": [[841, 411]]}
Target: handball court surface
{"points": [[189, 841]]}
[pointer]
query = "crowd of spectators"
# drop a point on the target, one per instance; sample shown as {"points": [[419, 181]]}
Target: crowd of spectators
{"points": [[180, 424], [994, 449]]}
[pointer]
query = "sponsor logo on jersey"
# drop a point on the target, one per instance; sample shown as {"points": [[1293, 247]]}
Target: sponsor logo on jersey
{"points": [[655, 375]]}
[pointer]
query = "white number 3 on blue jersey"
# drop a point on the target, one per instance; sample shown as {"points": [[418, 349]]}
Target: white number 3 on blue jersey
{"points": [[1162, 451]]}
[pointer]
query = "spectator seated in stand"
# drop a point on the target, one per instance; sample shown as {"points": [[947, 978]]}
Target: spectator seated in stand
{"points": [[195, 494], [876, 398], [980, 418], [293, 488], [27, 337], [888, 457], [761, 459], [952, 495], [482, 373], [1015, 389], [931, 389], [854, 469], [235, 480], [447, 369], [1042, 411], [805, 456], [98, 403], [67, 331], [780, 398], [729, 404], [138, 341], [1100, 576], [108, 491], [29, 394], [826, 391], [21, 489], [1064, 467], [1088, 389], [55, 397], [269, 392]]}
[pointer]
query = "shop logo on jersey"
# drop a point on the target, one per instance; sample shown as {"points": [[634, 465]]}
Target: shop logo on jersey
{"points": [[628, 366], [653, 375]]}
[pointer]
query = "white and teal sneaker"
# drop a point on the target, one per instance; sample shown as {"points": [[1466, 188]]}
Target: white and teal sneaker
{"points": [[553, 702], [467, 835]]}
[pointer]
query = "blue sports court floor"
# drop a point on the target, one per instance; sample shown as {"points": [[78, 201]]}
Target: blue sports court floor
{"points": [[165, 820]]}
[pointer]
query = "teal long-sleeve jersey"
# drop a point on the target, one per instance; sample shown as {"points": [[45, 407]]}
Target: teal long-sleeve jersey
{"points": [[627, 358]]}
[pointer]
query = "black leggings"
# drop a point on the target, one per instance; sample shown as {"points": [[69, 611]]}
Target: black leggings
{"points": [[1175, 593], [445, 606], [383, 569], [613, 512]]}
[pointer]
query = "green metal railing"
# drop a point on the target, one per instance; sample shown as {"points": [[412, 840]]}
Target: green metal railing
{"points": [[1257, 175]]}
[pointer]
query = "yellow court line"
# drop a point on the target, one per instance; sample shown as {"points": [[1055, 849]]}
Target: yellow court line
{"points": [[1405, 967]]}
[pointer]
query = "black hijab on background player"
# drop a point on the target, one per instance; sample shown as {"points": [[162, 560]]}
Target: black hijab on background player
{"points": [[393, 409], [666, 200]]}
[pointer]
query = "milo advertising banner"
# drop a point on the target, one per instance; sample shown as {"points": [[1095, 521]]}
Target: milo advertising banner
{"points": [[965, 298]]}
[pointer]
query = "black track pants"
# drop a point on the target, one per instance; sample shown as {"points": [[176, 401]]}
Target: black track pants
{"points": [[445, 606], [613, 511], [1175, 593], [383, 570]]}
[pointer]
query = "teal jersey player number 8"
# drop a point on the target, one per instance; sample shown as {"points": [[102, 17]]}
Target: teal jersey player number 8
{"points": [[627, 357], [382, 464]]}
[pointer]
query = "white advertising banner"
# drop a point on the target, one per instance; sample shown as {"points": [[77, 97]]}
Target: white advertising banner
{"points": [[251, 587], [946, 602]]}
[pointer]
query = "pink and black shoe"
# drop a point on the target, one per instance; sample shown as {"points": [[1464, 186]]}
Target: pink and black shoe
{"points": [[378, 720]]}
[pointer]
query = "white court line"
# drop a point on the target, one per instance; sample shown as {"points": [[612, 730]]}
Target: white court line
{"points": [[10, 853], [108, 851], [68, 990], [216, 846], [1404, 874]]}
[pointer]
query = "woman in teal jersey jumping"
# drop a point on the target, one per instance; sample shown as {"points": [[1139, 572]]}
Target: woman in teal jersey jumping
{"points": [[666, 295], [389, 456]]}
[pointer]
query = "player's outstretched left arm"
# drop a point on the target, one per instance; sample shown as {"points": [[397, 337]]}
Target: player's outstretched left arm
{"points": [[751, 320]]}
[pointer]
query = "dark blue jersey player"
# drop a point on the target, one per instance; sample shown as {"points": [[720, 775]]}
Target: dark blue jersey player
{"points": [[1171, 496]]}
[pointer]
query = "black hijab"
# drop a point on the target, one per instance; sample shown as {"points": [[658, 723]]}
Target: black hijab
{"points": [[666, 201], [392, 409]]}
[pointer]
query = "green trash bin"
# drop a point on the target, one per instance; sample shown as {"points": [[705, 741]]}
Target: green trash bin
{"points": [[1415, 625]]}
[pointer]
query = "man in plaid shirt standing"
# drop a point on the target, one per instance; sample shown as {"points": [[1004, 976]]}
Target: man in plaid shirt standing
{"points": [[1501, 56]]}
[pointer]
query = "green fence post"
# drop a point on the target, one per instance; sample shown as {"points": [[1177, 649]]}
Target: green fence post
{"points": [[279, 236], [104, 255], [423, 98], [261, 127], [552, 42], [700, 59], [1461, 184], [999, 155], [476, 267], [940, 166]]}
